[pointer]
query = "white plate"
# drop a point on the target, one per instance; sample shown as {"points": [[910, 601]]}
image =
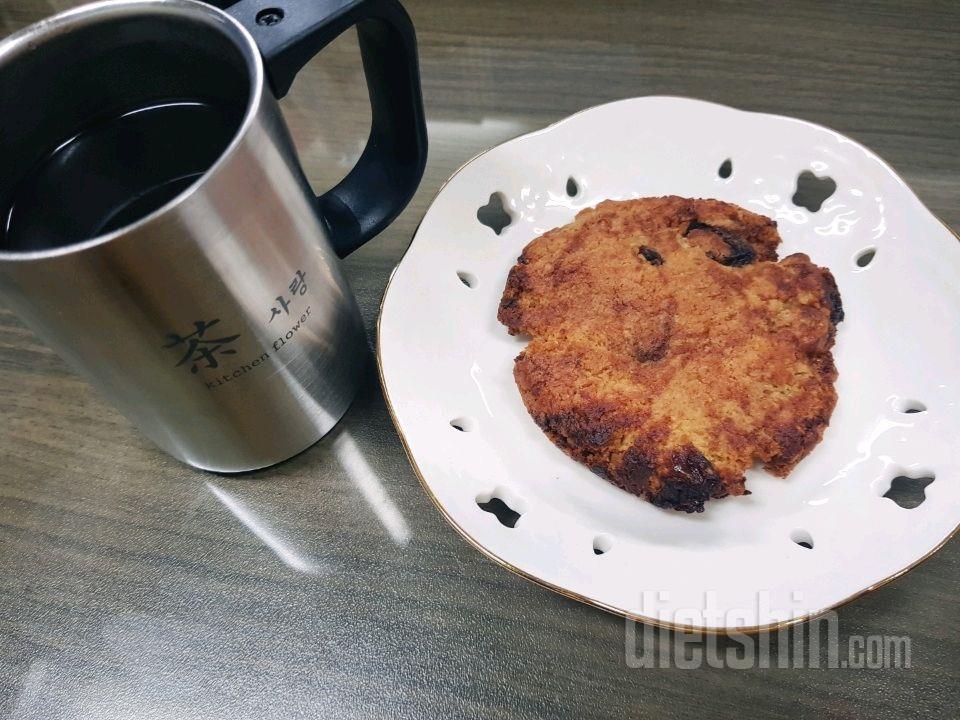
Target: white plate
{"points": [[444, 357]]}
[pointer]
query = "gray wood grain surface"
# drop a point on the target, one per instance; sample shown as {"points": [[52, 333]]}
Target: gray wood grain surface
{"points": [[132, 586]]}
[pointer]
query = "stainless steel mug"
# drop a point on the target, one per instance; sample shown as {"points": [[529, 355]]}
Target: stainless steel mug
{"points": [[219, 323]]}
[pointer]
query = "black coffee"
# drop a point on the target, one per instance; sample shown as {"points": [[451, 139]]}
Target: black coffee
{"points": [[116, 171]]}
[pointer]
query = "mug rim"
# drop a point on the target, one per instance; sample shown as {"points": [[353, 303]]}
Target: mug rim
{"points": [[32, 38]]}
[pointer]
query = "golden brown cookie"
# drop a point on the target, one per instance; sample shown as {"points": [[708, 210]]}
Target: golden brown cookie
{"points": [[670, 349]]}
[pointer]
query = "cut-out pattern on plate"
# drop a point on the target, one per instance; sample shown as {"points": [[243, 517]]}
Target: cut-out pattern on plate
{"points": [[726, 169], [494, 214], [507, 516], [467, 278], [908, 492], [802, 538], [572, 187], [865, 257], [909, 406], [602, 544], [463, 424], [813, 191]]}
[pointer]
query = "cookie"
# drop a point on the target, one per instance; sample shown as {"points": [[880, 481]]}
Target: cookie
{"points": [[670, 350]]}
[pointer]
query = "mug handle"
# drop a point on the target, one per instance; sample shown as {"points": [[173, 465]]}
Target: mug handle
{"points": [[289, 33]]}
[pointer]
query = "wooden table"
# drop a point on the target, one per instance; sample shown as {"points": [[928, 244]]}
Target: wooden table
{"points": [[132, 586]]}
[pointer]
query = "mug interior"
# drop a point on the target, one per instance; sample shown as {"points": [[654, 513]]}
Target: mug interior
{"points": [[73, 71]]}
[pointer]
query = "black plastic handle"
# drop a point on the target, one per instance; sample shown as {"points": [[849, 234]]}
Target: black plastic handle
{"points": [[289, 33]]}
